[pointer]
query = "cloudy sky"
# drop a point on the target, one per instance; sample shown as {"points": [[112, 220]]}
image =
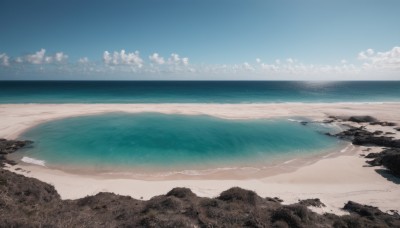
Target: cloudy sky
{"points": [[200, 39]]}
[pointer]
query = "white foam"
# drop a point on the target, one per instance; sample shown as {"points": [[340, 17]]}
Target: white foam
{"points": [[293, 120], [346, 148], [200, 172], [33, 161], [289, 161], [187, 172]]}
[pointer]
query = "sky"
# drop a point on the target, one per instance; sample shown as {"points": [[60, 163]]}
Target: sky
{"points": [[200, 40]]}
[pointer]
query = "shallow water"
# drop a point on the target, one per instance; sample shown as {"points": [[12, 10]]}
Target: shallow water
{"points": [[160, 141]]}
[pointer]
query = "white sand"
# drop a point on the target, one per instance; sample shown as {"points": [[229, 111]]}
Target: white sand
{"points": [[334, 179]]}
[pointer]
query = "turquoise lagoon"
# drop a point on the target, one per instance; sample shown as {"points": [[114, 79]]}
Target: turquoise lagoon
{"points": [[156, 142]]}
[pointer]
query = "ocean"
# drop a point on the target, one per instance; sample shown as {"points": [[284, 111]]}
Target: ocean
{"points": [[12, 92]]}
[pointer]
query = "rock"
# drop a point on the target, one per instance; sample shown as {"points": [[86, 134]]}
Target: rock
{"points": [[383, 123], [362, 210], [303, 123], [362, 119], [238, 194], [389, 158], [274, 199], [360, 136], [312, 202], [375, 162], [377, 132], [181, 193], [27, 202], [392, 162], [10, 162], [378, 141], [10, 146], [372, 155], [397, 128], [286, 217]]}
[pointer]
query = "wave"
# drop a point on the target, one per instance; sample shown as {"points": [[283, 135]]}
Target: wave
{"points": [[289, 161], [189, 172], [33, 161], [347, 148], [293, 120]]}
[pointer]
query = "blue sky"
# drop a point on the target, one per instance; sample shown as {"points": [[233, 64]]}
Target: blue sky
{"points": [[200, 39]]}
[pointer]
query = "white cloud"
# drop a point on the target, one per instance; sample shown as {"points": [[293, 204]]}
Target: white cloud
{"points": [[185, 61], [40, 58], [107, 57], [83, 60], [60, 57], [36, 58], [4, 59], [123, 58], [269, 67], [174, 59], [247, 66], [156, 59], [19, 60], [372, 63], [381, 60]]}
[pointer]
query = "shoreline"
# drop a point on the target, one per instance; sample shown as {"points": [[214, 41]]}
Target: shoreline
{"points": [[340, 178], [237, 171], [13, 125]]}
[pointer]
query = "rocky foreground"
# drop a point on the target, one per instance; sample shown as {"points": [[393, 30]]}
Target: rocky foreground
{"points": [[27, 202]]}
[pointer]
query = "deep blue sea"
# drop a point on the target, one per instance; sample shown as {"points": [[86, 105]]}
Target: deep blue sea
{"points": [[197, 91]]}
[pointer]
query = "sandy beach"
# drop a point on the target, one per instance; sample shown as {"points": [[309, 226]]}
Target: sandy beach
{"points": [[335, 179]]}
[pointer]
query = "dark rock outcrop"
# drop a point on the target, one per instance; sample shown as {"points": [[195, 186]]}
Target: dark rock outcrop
{"points": [[383, 123], [392, 162], [371, 213], [360, 136], [378, 141], [372, 155], [389, 158], [8, 147], [312, 202], [362, 119], [274, 199]]}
